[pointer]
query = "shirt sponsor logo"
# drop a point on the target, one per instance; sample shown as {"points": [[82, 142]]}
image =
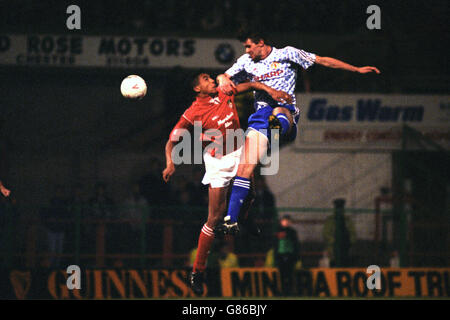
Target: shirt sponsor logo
{"points": [[228, 117], [268, 75]]}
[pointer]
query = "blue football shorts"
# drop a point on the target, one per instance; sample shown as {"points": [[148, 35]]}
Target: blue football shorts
{"points": [[259, 121]]}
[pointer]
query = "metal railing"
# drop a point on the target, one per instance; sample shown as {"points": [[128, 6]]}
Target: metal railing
{"points": [[161, 239]]}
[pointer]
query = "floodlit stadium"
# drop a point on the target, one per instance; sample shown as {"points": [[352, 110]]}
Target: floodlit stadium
{"points": [[103, 197]]}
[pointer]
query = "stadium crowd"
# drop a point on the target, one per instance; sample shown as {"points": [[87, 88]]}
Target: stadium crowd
{"points": [[118, 223]]}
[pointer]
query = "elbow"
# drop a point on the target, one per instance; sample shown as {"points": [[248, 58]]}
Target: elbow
{"points": [[169, 144], [325, 61]]}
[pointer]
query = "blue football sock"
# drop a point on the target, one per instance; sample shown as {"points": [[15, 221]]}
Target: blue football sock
{"points": [[284, 122], [239, 192]]}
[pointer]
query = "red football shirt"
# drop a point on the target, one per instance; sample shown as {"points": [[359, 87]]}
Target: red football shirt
{"points": [[217, 115]]}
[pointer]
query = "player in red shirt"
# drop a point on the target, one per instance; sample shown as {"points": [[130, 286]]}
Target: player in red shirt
{"points": [[213, 110]]}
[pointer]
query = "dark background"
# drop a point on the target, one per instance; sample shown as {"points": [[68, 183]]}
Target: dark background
{"points": [[58, 125]]}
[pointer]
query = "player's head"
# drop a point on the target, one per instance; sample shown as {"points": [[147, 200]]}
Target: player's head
{"points": [[255, 43], [286, 221], [203, 84]]}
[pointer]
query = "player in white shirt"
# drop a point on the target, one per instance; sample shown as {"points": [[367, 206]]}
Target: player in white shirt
{"points": [[276, 68]]}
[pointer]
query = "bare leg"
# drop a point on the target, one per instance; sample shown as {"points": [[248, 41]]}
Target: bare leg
{"points": [[216, 208], [287, 113], [217, 205], [254, 148]]}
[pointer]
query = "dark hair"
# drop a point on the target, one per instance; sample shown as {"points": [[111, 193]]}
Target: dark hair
{"points": [[253, 34], [195, 81]]}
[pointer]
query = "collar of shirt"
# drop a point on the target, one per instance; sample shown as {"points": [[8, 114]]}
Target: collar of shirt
{"points": [[208, 99]]}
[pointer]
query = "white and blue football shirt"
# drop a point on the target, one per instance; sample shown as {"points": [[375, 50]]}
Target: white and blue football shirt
{"points": [[278, 70]]}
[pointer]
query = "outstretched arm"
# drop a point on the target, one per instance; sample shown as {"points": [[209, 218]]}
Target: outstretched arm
{"points": [[277, 95], [170, 167], [225, 83], [182, 124], [338, 64]]}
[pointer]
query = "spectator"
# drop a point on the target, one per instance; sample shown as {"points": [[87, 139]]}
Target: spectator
{"points": [[394, 261], [101, 205], [53, 218], [198, 192], [264, 206], [324, 262], [329, 235], [134, 210], [192, 255], [182, 200], [153, 187], [286, 252], [77, 201], [227, 259], [101, 210], [78, 207], [269, 261]]}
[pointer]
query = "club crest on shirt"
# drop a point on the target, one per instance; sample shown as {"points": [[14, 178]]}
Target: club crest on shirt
{"points": [[274, 65], [215, 100], [230, 104]]}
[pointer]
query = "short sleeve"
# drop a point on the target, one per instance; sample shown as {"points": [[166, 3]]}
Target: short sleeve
{"points": [[180, 128], [300, 57], [189, 115]]}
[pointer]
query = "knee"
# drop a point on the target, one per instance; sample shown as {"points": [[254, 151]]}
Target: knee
{"points": [[213, 222], [245, 170], [215, 215], [278, 110], [284, 111]]}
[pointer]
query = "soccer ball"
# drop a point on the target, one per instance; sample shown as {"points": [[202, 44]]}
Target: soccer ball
{"points": [[133, 87]]}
